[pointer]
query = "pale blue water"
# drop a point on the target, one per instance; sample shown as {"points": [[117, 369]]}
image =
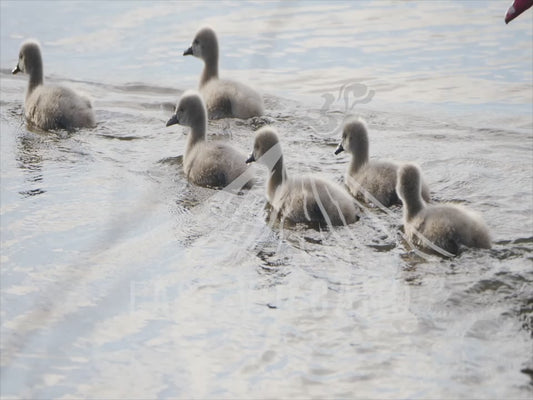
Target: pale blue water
{"points": [[120, 280]]}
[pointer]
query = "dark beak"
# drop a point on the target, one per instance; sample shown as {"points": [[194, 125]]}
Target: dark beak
{"points": [[339, 149], [173, 120], [15, 70], [188, 52], [250, 159], [517, 8]]}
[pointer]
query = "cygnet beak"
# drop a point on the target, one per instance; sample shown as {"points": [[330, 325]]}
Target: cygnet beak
{"points": [[16, 70], [250, 159], [173, 120], [339, 149], [188, 52]]}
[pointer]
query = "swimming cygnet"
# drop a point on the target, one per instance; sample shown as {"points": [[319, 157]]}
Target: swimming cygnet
{"points": [[211, 164], [377, 177], [223, 98], [447, 226], [46, 106], [301, 198]]}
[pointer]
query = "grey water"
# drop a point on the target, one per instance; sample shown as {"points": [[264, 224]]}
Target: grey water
{"points": [[121, 280]]}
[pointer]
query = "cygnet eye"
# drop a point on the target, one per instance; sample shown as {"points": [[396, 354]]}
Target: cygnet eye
{"points": [[195, 42]]}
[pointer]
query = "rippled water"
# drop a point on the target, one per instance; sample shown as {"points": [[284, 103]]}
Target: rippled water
{"points": [[121, 280]]}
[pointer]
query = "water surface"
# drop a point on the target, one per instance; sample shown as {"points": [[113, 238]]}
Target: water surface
{"points": [[121, 280]]}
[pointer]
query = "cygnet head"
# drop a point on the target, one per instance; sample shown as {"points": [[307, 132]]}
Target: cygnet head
{"points": [[408, 186], [354, 138], [204, 45], [190, 111], [267, 149], [30, 60]]}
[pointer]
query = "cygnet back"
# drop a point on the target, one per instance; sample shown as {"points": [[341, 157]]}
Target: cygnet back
{"points": [[300, 198], [213, 164], [223, 98], [50, 107], [447, 226], [372, 180]]}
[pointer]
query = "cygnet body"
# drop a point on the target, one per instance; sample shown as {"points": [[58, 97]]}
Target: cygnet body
{"points": [[213, 164], [377, 177], [223, 98], [445, 225], [47, 106], [300, 198]]}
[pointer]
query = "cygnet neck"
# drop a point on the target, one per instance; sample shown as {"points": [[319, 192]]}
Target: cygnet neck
{"points": [[210, 66], [359, 150], [412, 201], [278, 176], [35, 70], [198, 130]]}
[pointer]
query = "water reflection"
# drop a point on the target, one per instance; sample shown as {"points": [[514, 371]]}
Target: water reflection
{"points": [[30, 160]]}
